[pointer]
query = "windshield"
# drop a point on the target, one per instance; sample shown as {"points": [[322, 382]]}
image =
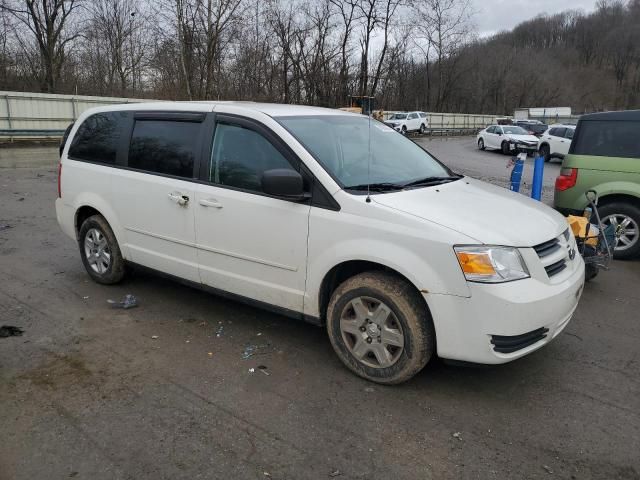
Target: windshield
{"points": [[515, 130], [341, 144], [398, 116]]}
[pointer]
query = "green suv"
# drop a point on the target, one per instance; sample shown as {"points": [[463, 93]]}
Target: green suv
{"points": [[605, 156]]}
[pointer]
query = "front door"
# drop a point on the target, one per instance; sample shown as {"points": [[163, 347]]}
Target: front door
{"points": [[250, 244], [154, 197]]}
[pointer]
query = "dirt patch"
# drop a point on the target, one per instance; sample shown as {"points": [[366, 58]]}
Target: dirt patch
{"points": [[61, 371]]}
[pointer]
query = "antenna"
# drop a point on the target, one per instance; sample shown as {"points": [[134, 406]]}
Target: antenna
{"points": [[368, 199]]}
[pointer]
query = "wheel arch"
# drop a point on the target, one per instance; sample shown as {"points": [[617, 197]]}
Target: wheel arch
{"points": [[344, 270], [619, 197], [87, 206]]}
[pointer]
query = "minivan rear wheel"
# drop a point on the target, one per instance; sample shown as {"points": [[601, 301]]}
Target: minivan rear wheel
{"points": [[380, 327], [625, 218], [100, 252]]}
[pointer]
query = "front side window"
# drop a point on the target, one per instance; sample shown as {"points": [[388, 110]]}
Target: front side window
{"points": [[357, 152], [608, 139], [164, 146], [240, 156], [491, 129], [398, 116], [569, 133], [97, 138], [558, 132]]}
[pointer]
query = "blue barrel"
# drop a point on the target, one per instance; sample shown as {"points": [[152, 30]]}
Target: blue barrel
{"points": [[516, 175], [538, 170]]}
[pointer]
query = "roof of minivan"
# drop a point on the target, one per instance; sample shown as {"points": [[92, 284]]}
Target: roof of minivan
{"points": [[271, 109], [624, 115]]}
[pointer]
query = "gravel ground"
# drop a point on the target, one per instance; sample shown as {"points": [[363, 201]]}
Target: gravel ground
{"points": [[93, 392]]}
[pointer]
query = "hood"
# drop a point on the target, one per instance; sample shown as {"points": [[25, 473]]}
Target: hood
{"points": [[522, 138], [488, 214]]}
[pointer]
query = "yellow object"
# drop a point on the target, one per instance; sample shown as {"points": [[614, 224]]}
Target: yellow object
{"points": [[579, 228], [476, 263]]}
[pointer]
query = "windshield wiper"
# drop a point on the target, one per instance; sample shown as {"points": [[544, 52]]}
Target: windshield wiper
{"points": [[376, 187], [423, 182]]}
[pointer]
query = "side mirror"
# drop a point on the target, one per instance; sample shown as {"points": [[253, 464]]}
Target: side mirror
{"points": [[499, 133], [284, 183]]}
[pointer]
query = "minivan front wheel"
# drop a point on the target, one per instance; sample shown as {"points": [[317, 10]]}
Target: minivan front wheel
{"points": [[100, 252], [380, 327], [625, 219]]}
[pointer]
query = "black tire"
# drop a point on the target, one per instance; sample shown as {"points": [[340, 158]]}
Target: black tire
{"points": [[115, 270], [505, 148], [408, 309], [545, 152], [631, 211], [404, 130], [481, 144], [590, 272], [422, 129]]}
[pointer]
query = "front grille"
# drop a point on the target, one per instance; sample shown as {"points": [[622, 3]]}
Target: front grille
{"points": [[551, 253], [510, 344], [547, 248], [556, 267]]}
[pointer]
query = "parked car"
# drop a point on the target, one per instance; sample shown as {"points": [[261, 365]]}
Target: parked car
{"points": [[555, 142], [533, 127], [605, 156], [409, 122], [507, 138], [323, 216]]}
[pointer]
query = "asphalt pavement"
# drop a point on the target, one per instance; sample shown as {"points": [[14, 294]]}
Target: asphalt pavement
{"points": [[164, 390]]}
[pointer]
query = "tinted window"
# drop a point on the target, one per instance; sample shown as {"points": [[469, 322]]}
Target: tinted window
{"points": [[608, 139], [240, 156], [569, 133], [97, 138], [491, 129], [423, 115], [557, 132], [412, 116], [162, 146]]}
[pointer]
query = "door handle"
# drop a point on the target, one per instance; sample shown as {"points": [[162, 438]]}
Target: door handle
{"points": [[179, 198], [210, 202]]}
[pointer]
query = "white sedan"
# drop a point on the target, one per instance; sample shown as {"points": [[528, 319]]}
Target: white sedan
{"points": [[507, 138]]}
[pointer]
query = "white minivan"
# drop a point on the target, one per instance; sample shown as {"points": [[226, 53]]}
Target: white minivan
{"points": [[324, 216]]}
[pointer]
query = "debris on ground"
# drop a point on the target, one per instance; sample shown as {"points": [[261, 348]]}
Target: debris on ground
{"points": [[5, 226], [263, 369], [251, 350], [251, 370], [335, 473], [369, 390], [210, 354], [86, 297], [10, 331], [154, 337], [547, 468], [129, 301], [457, 435], [21, 199], [219, 331], [266, 474]]}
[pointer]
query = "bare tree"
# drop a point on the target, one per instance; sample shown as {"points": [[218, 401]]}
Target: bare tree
{"points": [[47, 21]]}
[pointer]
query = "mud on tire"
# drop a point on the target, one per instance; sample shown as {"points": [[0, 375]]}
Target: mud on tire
{"points": [[410, 312]]}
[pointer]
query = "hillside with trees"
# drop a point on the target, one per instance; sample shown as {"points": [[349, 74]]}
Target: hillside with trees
{"points": [[407, 53]]}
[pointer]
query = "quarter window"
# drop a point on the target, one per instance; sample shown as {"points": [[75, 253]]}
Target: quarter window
{"points": [[608, 139], [166, 147], [97, 139], [240, 156]]}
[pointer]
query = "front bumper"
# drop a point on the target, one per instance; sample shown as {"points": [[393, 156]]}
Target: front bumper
{"points": [[502, 322], [519, 148]]}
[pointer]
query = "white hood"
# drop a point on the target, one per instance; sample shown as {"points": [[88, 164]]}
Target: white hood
{"points": [[523, 138], [484, 212]]}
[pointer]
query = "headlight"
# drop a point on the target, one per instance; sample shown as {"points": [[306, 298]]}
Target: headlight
{"points": [[491, 264]]}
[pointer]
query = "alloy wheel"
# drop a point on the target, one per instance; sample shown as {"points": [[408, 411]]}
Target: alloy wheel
{"points": [[96, 250], [626, 229]]}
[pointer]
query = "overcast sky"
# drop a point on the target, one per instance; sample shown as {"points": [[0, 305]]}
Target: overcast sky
{"points": [[495, 15]]}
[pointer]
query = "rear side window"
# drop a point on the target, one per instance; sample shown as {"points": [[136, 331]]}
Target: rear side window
{"points": [[608, 139], [97, 139], [166, 147], [569, 133], [491, 130]]}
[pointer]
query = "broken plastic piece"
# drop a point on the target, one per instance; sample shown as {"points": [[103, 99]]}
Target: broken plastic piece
{"points": [[263, 369], [129, 301], [154, 337], [5, 226]]}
